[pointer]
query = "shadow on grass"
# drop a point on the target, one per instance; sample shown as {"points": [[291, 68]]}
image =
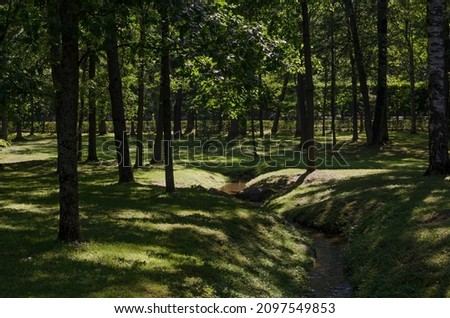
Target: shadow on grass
{"points": [[392, 252], [140, 241]]}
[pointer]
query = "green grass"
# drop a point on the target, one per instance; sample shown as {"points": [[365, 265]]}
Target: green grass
{"points": [[397, 224], [140, 242]]}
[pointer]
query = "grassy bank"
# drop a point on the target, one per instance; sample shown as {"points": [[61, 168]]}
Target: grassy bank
{"points": [[396, 221]]}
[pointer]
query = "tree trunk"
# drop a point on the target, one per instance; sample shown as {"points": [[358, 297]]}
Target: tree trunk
{"points": [[255, 153], [233, 131], [102, 129], [141, 91], [33, 115], [177, 115], [380, 133], [324, 106], [355, 106], [81, 113], [190, 122], [157, 147], [66, 116], [118, 115], [411, 72], [300, 130], [333, 82], [438, 128], [92, 147], [361, 70], [19, 136], [276, 120], [4, 131], [309, 89], [164, 99]]}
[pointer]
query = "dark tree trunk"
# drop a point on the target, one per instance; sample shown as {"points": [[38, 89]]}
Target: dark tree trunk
{"points": [[132, 129], [220, 121], [333, 82], [411, 73], [438, 128], [233, 131], [255, 153], [177, 115], [447, 54], [361, 70], [300, 130], [141, 91], [157, 147], [92, 147], [19, 136], [309, 89], [164, 99], [243, 127], [80, 128], [102, 129], [261, 120], [118, 115], [355, 106], [66, 117], [380, 133], [81, 113], [190, 122], [276, 120], [324, 106], [43, 124], [33, 115], [4, 119]]}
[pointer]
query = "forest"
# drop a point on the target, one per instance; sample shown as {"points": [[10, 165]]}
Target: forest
{"points": [[224, 148]]}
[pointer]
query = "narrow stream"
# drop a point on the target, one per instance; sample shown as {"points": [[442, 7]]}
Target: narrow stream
{"points": [[327, 279]]}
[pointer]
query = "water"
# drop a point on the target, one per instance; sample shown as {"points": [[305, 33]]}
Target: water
{"points": [[233, 187], [327, 278]]}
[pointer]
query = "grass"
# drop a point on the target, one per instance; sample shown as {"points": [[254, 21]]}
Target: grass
{"points": [[140, 242]]}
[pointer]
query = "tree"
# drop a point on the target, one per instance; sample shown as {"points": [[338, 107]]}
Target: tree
{"points": [[66, 117], [92, 104], [438, 128], [116, 94], [380, 132], [351, 15], [309, 89], [164, 97]]}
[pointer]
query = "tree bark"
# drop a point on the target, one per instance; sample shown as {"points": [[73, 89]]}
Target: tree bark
{"points": [[118, 115], [380, 133], [300, 130], [190, 122], [438, 128], [411, 73], [355, 106], [157, 147], [19, 136], [4, 131], [333, 82], [81, 113], [233, 131], [66, 116], [102, 129], [309, 89], [276, 120], [351, 15], [92, 139], [164, 97], [33, 115], [141, 91], [177, 132]]}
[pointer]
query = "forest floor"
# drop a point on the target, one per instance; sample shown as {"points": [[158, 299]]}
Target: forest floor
{"points": [[141, 242]]}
